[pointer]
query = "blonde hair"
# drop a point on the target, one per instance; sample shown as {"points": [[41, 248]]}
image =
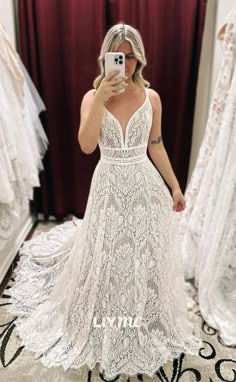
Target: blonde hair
{"points": [[115, 36]]}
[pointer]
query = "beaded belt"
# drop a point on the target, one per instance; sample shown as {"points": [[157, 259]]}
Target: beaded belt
{"points": [[124, 156]]}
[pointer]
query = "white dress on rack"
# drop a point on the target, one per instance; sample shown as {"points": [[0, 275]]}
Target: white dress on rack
{"points": [[208, 225], [23, 141], [122, 259]]}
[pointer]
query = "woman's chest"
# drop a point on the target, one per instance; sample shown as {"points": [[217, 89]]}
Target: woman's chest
{"points": [[124, 109]]}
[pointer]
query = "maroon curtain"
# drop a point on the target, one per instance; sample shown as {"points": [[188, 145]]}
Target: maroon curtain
{"points": [[60, 43]]}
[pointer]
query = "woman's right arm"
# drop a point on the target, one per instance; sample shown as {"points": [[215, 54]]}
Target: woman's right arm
{"points": [[92, 109], [90, 122]]}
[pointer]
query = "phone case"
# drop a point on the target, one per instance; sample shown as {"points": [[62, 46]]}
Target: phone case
{"points": [[115, 61]]}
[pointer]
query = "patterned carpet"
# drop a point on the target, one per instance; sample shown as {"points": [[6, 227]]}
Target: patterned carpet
{"points": [[216, 362]]}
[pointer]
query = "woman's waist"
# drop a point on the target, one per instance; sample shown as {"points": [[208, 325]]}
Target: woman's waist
{"points": [[124, 155]]}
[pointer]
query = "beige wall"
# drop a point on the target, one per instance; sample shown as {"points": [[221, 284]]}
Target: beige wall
{"points": [[210, 62], [7, 19]]}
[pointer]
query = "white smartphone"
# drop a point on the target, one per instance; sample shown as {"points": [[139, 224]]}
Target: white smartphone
{"points": [[115, 61]]}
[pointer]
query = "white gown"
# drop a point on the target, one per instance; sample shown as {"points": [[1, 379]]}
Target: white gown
{"points": [[23, 141], [208, 225], [122, 259]]}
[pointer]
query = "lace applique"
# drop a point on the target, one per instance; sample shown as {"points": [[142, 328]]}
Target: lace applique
{"points": [[122, 260], [208, 228]]}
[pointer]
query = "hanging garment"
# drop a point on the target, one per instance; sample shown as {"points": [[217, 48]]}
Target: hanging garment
{"points": [[122, 259], [208, 226], [23, 142]]}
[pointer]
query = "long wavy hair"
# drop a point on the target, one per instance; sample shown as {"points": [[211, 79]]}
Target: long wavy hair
{"points": [[115, 36]]}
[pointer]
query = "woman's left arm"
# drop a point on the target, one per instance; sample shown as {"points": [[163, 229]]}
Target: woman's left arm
{"points": [[159, 155]]}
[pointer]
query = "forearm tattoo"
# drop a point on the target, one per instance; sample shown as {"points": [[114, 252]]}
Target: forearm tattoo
{"points": [[158, 140]]}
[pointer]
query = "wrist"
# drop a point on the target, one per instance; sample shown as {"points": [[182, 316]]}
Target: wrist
{"points": [[98, 99], [176, 187]]}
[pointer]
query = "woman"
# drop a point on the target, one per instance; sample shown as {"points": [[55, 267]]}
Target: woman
{"points": [[112, 291]]}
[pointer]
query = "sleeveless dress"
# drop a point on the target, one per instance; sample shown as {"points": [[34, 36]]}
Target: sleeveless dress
{"points": [[109, 289]]}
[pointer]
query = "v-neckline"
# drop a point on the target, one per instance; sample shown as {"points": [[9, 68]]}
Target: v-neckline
{"points": [[124, 132]]}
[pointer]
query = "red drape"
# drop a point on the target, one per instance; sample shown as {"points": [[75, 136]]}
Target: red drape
{"points": [[60, 43]]}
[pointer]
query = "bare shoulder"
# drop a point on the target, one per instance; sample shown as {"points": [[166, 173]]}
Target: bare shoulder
{"points": [[155, 99]]}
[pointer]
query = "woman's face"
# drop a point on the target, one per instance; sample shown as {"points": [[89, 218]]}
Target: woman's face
{"points": [[130, 60]]}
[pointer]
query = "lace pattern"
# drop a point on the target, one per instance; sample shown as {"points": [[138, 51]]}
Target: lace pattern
{"points": [[122, 260], [124, 156], [208, 227], [23, 141]]}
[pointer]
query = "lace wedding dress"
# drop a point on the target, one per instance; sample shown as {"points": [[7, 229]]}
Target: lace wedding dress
{"points": [[122, 260], [208, 225], [23, 142]]}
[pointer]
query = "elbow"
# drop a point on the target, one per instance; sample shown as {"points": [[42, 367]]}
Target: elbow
{"points": [[156, 148], [86, 149], [87, 145]]}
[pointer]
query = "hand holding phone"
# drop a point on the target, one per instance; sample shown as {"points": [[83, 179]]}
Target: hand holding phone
{"points": [[115, 61]]}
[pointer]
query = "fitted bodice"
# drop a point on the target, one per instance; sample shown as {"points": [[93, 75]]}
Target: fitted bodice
{"points": [[131, 146]]}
